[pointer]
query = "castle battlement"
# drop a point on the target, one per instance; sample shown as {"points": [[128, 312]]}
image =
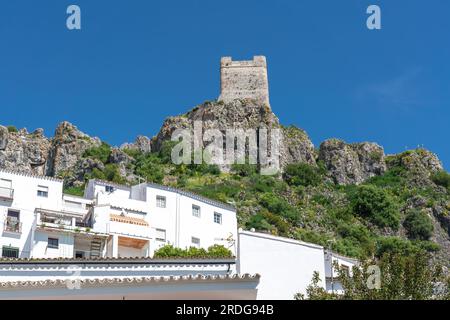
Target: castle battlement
{"points": [[244, 79]]}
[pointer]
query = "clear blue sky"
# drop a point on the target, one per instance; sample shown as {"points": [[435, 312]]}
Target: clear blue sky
{"points": [[136, 62]]}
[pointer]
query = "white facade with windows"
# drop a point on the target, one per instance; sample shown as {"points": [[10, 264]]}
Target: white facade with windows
{"points": [[38, 220]]}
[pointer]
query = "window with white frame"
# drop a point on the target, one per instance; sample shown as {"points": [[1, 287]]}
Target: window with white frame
{"points": [[217, 217], [160, 201], [196, 211], [42, 191], [195, 242], [160, 235]]}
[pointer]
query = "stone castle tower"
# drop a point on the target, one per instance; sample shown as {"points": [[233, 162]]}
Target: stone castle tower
{"points": [[244, 79]]}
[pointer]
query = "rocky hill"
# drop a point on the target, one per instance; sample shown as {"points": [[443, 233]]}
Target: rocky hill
{"points": [[366, 201]]}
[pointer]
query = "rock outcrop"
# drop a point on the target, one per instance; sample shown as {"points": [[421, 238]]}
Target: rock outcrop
{"points": [[244, 114], [4, 135], [420, 161], [36, 154], [142, 144], [124, 163], [352, 163], [68, 145], [296, 147], [23, 151]]}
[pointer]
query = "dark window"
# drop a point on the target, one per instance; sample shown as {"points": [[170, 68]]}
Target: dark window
{"points": [[160, 201], [53, 243], [196, 211], [10, 252], [217, 218], [42, 191], [79, 255], [195, 242], [109, 189], [13, 214]]}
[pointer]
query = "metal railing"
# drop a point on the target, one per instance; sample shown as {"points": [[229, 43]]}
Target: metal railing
{"points": [[6, 193], [12, 225]]}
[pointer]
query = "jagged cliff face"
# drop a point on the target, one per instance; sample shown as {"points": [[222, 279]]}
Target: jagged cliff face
{"points": [[37, 154], [23, 151], [346, 163], [243, 114], [352, 163]]}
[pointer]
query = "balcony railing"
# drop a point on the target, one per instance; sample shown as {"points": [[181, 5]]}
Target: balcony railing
{"points": [[6, 193], [12, 225]]}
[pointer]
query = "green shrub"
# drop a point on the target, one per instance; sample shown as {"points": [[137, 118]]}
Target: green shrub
{"points": [[12, 129], [357, 241], [244, 170], [258, 222], [75, 191], [262, 183], [441, 178], [165, 152], [279, 206], [101, 152], [213, 252], [394, 245], [219, 251], [150, 168], [377, 205], [110, 173], [302, 174], [281, 225], [392, 178], [418, 225]]}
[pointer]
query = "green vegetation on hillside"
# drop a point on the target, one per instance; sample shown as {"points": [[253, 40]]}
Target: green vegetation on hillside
{"points": [[365, 220]]}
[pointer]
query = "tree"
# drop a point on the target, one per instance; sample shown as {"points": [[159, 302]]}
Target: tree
{"points": [[402, 277], [418, 225], [377, 205]]}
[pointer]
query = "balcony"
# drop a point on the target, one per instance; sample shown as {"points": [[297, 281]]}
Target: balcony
{"points": [[12, 225], [128, 226], [6, 194]]}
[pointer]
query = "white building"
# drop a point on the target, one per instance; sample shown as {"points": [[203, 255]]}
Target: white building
{"points": [[116, 228], [38, 220], [286, 266], [124, 278]]}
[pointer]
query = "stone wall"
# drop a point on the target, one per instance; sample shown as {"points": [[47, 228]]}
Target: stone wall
{"points": [[244, 79]]}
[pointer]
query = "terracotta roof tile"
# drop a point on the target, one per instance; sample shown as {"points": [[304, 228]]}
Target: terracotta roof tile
{"points": [[130, 220]]}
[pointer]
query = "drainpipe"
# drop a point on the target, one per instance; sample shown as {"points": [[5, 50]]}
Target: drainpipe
{"points": [[33, 228], [177, 221]]}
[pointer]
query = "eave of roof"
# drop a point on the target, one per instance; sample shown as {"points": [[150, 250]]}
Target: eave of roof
{"points": [[189, 194], [121, 260], [26, 174], [195, 196], [137, 281]]}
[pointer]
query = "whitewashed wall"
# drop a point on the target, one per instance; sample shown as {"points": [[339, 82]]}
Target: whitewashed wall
{"points": [[286, 266]]}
